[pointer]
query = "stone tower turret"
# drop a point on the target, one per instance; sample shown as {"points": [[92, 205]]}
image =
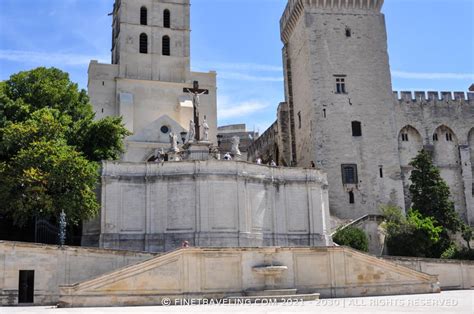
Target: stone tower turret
{"points": [[338, 89]]}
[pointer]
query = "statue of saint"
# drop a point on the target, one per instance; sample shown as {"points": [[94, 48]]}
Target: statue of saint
{"points": [[235, 146], [205, 126], [174, 143], [191, 133]]}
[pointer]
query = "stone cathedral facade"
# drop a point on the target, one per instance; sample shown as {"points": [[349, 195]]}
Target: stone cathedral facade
{"points": [[150, 67], [341, 113]]}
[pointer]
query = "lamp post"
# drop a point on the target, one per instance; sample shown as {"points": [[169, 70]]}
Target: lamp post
{"points": [[62, 228]]}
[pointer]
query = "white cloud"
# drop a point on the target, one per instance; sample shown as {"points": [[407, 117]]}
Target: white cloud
{"points": [[46, 58], [241, 109], [432, 76]]}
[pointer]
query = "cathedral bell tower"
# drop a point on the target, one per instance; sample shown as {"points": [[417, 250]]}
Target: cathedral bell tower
{"points": [[151, 39], [339, 94], [145, 80]]}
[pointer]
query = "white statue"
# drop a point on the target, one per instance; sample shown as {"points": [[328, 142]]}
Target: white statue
{"points": [[235, 146], [159, 155], [174, 143], [205, 127], [191, 133]]}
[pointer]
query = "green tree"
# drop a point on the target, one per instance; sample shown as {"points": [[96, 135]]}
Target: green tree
{"points": [[102, 139], [46, 178], [50, 146], [352, 237], [427, 229], [430, 194], [432, 198], [27, 92], [411, 235], [45, 88]]}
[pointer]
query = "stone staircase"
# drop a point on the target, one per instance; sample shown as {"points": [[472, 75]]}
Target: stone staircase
{"points": [[246, 275], [288, 296]]}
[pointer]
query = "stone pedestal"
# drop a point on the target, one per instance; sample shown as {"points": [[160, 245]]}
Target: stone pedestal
{"points": [[198, 151]]}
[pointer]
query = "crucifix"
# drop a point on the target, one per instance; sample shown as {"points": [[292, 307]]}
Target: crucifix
{"points": [[196, 92]]}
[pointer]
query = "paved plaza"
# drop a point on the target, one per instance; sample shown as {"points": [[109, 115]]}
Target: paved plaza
{"points": [[458, 302]]}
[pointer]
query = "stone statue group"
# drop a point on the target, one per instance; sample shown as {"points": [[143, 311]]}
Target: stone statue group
{"points": [[194, 136], [191, 137]]}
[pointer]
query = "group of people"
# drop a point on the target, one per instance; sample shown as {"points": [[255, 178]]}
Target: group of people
{"points": [[272, 163]]}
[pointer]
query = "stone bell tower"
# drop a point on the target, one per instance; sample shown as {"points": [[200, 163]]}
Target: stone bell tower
{"points": [[144, 83], [339, 93], [151, 39]]}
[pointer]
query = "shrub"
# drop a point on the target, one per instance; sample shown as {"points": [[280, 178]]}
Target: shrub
{"points": [[352, 237], [453, 252]]}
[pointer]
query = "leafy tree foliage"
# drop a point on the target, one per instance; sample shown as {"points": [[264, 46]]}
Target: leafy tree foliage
{"points": [[432, 198], [46, 88], [45, 178], [430, 194], [30, 91], [427, 229], [352, 237], [50, 146], [101, 140], [411, 235]]}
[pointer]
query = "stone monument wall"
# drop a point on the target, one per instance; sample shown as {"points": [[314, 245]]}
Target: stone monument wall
{"points": [[156, 206]]}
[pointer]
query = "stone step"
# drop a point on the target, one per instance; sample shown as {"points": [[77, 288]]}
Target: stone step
{"points": [[266, 299], [273, 292]]}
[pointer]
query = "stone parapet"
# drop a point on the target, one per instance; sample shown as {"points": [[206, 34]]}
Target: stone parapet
{"points": [[295, 9], [433, 96], [241, 169]]}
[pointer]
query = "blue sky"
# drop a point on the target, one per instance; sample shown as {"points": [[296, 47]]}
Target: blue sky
{"points": [[431, 46]]}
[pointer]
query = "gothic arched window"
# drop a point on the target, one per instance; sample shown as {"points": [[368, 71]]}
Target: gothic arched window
{"points": [[143, 43], [166, 19], [166, 46], [143, 16]]}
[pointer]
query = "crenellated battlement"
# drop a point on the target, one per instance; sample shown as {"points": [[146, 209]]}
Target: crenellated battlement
{"points": [[433, 96], [295, 8]]}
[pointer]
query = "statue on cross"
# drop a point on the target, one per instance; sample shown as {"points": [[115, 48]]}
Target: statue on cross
{"points": [[196, 92]]}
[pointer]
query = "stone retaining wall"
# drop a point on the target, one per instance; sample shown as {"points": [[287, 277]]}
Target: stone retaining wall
{"points": [[54, 266], [452, 274]]}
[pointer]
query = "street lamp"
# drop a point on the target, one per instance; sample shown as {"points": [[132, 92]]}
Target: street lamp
{"points": [[62, 228]]}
